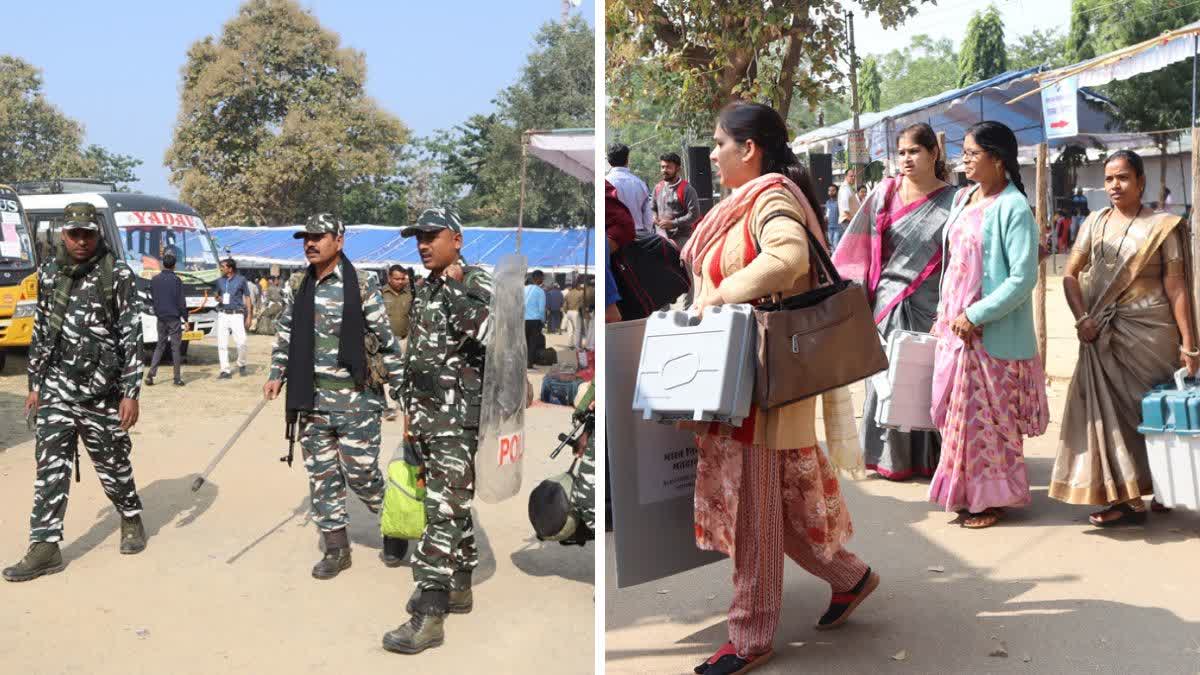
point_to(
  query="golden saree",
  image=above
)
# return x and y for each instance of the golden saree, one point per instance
(1101, 456)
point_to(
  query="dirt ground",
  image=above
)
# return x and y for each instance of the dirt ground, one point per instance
(1060, 595)
(224, 584)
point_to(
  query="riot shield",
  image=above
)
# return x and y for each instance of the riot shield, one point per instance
(502, 416)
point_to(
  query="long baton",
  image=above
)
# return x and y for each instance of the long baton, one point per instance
(228, 444)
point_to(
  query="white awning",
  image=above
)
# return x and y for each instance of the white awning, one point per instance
(572, 151)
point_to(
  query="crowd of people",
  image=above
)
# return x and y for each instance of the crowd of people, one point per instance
(959, 263)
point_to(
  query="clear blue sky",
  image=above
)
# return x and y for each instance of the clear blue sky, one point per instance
(114, 66)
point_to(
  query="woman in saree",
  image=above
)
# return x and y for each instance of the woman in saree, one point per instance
(766, 489)
(1127, 284)
(989, 388)
(894, 248)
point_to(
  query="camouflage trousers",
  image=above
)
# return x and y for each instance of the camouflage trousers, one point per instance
(448, 544)
(340, 449)
(583, 494)
(60, 426)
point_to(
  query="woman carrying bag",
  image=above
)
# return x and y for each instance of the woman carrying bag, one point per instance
(766, 489)
(894, 246)
(989, 389)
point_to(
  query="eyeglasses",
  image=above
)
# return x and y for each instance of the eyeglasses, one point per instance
(972, 155)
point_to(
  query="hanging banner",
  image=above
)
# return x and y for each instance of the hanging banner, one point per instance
(856, 147)
(1060, 108)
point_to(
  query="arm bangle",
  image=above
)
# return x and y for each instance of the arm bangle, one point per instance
(1084, 317)
(1195, 352)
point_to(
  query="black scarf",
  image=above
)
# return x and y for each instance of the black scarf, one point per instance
(69, 272)
(352, 355)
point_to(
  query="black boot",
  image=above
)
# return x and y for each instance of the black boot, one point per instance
(133, 535)
(337, 555)
(43, 557)
(393, 551)
(460, 598)
(424, 629)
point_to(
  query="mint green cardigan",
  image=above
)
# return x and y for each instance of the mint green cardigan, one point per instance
(1010, 269)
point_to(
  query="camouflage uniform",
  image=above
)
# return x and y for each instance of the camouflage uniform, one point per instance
(340, 438)
(272, 307)
(442, 392)
(81, 379)
(583, 492)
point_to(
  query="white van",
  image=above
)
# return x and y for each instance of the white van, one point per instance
(139, 229)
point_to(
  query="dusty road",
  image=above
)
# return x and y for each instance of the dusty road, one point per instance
(1063, 596)
(224, 584)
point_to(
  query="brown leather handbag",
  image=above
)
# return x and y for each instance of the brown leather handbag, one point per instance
(816, 341)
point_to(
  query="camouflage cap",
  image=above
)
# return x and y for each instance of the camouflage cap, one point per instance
(433, 220)
(80, 216)
(320, 224)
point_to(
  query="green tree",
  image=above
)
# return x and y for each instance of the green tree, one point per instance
(869, 86)
(1041, 47)
(98, 163)
(924, 68)
(481, 159)
(1103, 27)
(40, 142)
(274, 123)
(983, 53)
(702, 54)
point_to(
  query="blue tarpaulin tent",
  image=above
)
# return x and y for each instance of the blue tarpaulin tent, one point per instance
(376, 246)
(955, 110)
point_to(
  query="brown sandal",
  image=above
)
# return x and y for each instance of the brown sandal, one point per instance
(986, 518)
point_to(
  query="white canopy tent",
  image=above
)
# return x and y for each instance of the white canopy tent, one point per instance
(571, 150)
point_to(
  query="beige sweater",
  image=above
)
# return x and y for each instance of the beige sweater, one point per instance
(782, 266)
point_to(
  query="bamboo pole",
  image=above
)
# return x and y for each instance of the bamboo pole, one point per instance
(1039, 291)
(1195, 223)
(521, 203)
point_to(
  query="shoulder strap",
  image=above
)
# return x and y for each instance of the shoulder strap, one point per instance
(681, 191)
(658, 188)
(825, 270)
(107, 291)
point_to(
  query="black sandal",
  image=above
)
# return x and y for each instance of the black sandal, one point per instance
(727, 662)
(841, 605)
(1129, 516)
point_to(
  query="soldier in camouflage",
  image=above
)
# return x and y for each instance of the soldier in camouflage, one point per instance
(84, 379)
(335, 348)
(443, 383)
(583, 492)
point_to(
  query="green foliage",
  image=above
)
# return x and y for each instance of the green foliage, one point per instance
(690, 57)
(869, 86)
(274, 123)
(924, 68)
(482, 157)
(40, 142)
(1102, 28)
(983, 52)
(1041, 47)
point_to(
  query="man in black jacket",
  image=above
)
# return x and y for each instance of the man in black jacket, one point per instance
(171, 309)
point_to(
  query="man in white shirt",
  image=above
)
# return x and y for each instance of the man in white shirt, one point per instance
(848, 202)
(631, 190)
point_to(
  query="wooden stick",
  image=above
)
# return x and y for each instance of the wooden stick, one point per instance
(1039, 291)
(1195, 225)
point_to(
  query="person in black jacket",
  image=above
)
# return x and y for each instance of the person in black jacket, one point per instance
(166, 290)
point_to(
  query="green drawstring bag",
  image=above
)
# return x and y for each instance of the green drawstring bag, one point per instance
(403, 515)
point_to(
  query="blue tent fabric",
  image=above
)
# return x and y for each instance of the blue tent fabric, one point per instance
(955, 110)
(375, 246)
